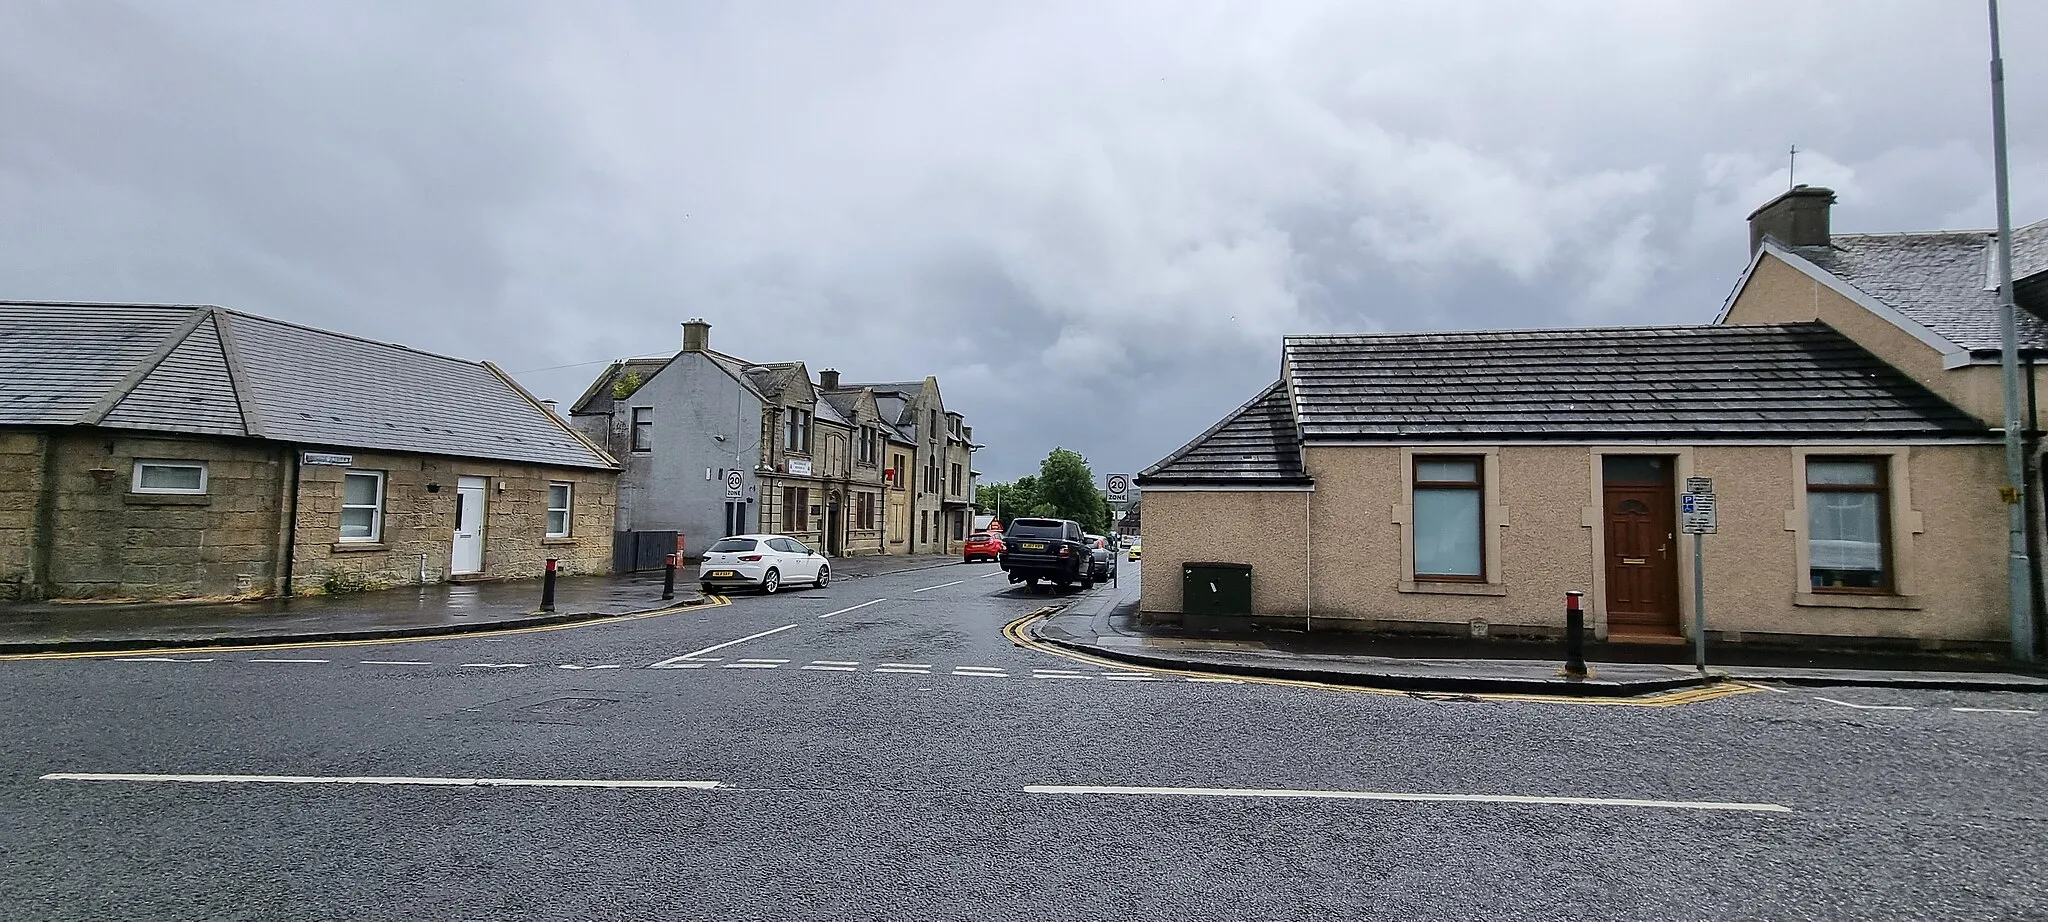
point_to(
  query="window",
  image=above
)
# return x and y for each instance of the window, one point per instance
(870, 444)
(1847, 525)
(643, 428)
(1449, 518)
(959, 526)
(864, 513)
(169, 477)
(796, 502)
(796, 431)
(924, 527)
(558, 509)
(932, 431)
(956, 481)
(898, 471)
(362, 506)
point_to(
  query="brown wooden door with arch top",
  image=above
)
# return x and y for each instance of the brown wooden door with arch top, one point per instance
(1641, 522)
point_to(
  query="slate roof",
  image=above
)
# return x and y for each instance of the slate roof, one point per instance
(1695, 383)
(1255, 445)
(1944, 280)
(844, 402)
(210, 371)
(598, 397)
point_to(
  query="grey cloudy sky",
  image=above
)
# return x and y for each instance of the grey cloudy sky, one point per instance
(1030, 200)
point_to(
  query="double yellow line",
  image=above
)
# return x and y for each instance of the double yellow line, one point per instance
(1018, 632)
(710, 601)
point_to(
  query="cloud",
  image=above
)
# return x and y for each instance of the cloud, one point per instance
(1051, 206)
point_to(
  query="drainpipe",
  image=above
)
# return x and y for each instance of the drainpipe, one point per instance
(291, 516)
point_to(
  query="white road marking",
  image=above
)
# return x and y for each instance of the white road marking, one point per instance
(815, 668)
(572, 666)
(940, 586)
(750, 666)
(1865, 707)
(845, 610)
(671, 661)
(777, 662)
(160, 659)
(1129, 678)
(1403, 796)
(684, 666)
(396, 662)
(386, 779)
(983, 674)
(494, 665)
(1207, 679)
(907, 665)
(287, 661)
(1996, 710)
(902, 671)
(836, 662)
(1054, 672)
(978, 668)
(1768, 688)
(991, 575)
(1059, 675)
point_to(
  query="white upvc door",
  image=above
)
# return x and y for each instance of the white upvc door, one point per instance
(470, 498)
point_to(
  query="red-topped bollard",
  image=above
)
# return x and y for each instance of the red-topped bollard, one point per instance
(1574, 636)
(668, 578)
(547, 586)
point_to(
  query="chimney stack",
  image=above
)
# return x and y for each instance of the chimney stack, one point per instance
(696, 336)
(1799, 218)
(828, 380)
(550, 404)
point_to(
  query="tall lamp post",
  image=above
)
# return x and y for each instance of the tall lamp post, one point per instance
(2018, 574)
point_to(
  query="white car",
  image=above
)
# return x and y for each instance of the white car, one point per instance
(768, 562)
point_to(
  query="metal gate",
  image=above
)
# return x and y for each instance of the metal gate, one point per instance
(633, 551)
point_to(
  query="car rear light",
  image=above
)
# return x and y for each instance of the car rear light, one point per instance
(750, 558)
(1066, 551)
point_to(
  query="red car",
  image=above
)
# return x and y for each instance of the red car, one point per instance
(982, 546)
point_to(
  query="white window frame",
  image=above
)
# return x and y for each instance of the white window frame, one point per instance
(135, 478)
(567, 509)
(377, 511)
(1906, 524)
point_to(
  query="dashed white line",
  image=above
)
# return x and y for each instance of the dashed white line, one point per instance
(396, 662)
(836, 662)
(750, 666)
(494, 665)
(982, 674)
(903, 671)
(817, 668)
(386, 779)
(907, 665)
(777, 662)
(1404, 796)
(1996, 710)
(693, 654)
(1864, 707)
(160, 659)
(1129, 678)
(991, 575)
(574, 666)
(940, 586)
(287, 661)
(852, 608)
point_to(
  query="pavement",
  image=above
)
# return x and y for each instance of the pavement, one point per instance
(882, 749)
(446, 608)
(1106, 625)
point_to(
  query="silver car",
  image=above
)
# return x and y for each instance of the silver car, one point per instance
(1103, 552)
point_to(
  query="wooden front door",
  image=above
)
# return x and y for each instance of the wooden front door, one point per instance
(1642, 545)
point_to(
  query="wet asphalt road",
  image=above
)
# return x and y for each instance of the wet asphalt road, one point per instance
(888, 781)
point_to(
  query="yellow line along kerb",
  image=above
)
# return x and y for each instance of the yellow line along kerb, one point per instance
(1017, 633)
(711, 601)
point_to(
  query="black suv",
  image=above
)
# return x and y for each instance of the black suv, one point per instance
(1054, 550)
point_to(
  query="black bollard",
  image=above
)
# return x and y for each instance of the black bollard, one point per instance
(1574, 637)
(668, 578)
(547, 587)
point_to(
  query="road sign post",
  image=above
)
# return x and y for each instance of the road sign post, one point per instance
(1117, 489)
(1698, 511)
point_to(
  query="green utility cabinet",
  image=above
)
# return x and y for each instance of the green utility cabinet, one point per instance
(1215, 595)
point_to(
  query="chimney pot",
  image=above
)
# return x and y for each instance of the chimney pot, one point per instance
(696, 336)
(1798, 218)
(828, 379)
(550, 404)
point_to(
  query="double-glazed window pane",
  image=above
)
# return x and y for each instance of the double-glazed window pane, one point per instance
(643, 428)
(558, 510)
(170, 477)
(362, 495)
(1449, 520)
(1845, 524)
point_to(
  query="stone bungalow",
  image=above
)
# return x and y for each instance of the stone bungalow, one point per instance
(160, 451)
(1843, 408)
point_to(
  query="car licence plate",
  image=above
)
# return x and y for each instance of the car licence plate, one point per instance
(1033, 547)
(723, 573)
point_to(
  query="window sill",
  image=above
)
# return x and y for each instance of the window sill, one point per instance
(1856, 600)
(1437, 587)
(357, 547)
(167, 499)
(557, 540)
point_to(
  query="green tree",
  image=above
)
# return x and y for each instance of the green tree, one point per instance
(1066, 489)
(1007, 501)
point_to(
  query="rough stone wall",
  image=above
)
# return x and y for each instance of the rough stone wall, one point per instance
(21, 484)
(417, 521)
(112, 543)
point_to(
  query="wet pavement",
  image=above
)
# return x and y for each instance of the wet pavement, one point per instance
(1107, 625)
(409, 611)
